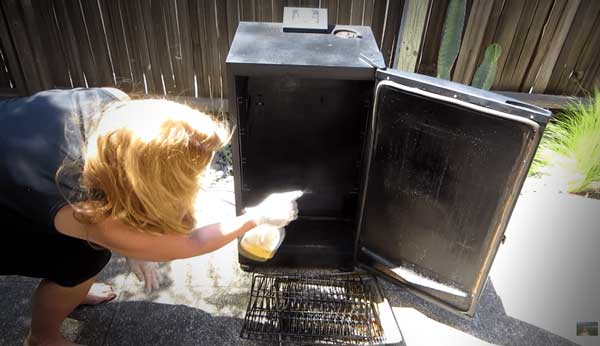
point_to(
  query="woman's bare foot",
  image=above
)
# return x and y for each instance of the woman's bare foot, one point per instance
(58, 341)
(99, 293)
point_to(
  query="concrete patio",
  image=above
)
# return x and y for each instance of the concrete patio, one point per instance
(544, 280)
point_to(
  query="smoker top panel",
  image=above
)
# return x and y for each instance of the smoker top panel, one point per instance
(267, 44)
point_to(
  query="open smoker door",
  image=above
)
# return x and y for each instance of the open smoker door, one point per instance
(445, 164)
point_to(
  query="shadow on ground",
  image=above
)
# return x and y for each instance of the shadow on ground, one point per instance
(148, 323)
(179, 314)
(490, 323)
(176, 314)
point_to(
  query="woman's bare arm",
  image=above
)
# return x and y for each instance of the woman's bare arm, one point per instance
(129, 242)
(278, 209)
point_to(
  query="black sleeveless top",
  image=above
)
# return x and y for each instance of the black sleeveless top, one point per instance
(38, 134)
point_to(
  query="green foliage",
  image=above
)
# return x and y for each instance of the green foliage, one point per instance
(223, 160)
(571, 145)
(486, 72)
(452, 36)
(450, 46)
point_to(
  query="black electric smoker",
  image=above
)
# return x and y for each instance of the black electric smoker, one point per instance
(410, 178)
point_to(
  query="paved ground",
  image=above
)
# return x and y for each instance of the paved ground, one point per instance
(545, 279)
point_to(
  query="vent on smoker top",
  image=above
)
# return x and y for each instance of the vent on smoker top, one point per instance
(333, 309)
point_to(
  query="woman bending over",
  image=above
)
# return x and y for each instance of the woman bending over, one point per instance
(85, 172)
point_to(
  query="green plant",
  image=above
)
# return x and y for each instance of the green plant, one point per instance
(451, 37)
(571, 147)
(486, 72)
(450, 46)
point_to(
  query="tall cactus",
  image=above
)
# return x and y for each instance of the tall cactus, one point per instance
(486, 72)
(451, 38)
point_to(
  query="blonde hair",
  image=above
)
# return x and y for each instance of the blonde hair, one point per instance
(145, 158)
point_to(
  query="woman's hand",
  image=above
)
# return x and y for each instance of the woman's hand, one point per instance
(147, 272)
(277, 210)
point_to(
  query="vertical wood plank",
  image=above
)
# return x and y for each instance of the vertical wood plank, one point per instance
(172, 21)
(98, 43)
(133, 34)
(591, 78)
(52, 45)
(205, 48)
(206, 78)
(410, 39)
(331, 6)
(213, 52)
(507, 27)
(187, 61)
(117, 43)
(549, 30)
(596, 82)
(343, 11)
(278, 11)
(585, 63)
(356, 12)
(65, 28)
(200, 86)
(150, 55)
(33, 34)
(264, 11)
(492, 28)
(232, 19)
(5, 80)
(109, 37)
(533, 36)
(175, 47)
(379, 19)
(223, 44)
(390, 31)
(10, 56)
(576, 38)
(368, 12)
(247, 10)
(591, 64)
(539, 78)
(471, 47)
(309, 3)
(24, 51)
(432, 38)
(516, 48)
(83, 44)
(163, 40)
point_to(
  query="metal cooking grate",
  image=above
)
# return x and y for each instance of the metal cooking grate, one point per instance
(315, 309)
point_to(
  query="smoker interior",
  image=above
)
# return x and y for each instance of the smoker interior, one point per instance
(441, 180)
(305, 134)
(313, 310)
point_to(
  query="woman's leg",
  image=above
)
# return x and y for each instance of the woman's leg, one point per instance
(69, 267)
(51, 304)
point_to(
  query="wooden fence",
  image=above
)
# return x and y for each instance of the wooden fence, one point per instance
(548, 46)
(178, 47)
(173, 47)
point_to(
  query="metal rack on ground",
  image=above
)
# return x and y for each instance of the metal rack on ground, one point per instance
(333, 309)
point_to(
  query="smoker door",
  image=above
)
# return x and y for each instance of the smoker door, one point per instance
(444, 166)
